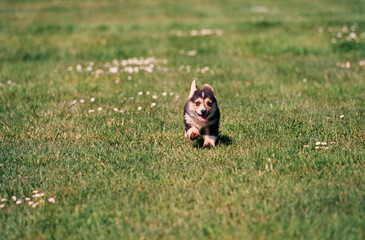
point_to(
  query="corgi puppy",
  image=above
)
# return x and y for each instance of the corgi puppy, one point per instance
(201, 115)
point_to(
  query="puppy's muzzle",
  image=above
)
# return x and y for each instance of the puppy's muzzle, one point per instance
(204, 112)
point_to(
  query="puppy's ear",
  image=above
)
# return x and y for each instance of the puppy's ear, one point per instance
(193, 89)
(208, 87)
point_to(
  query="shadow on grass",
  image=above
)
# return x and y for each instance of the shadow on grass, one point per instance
(222, 140)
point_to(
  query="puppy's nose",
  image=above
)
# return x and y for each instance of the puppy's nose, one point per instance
(204, 112)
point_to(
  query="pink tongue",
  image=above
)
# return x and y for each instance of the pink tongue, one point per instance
(203, 118)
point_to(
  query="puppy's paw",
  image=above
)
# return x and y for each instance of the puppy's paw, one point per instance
(209, 141)
(194, 135)
(208, 145)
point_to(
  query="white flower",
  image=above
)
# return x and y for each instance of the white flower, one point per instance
(92, 99)
(129, 78)
(30, 203)
(306, 146)
(98, 72)
(34, 205)
(192, 53)
(73, 102)
(140, 93)
(3, 200)
(362, 63)
(13, 198)
(35, 191)
(164, 94)
(177, 97)
(171, 93)
(37, 195)
(91, 110)
(52, 200)
(113, 69)
(89, 68)
(2, 205)
(139, 108)
(323, 143)
(79, 67)
(19, 202)
(115, 61)
(342, 116)
(318, 143)
(304, 80)
(82, 100)
(115, 109)
(100, 108)
(194, 32)
(205, 69)
(27, 199)
(316, 147)
(153, 104)
(154, 96)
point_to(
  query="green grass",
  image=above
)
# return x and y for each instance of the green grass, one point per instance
(132, 175)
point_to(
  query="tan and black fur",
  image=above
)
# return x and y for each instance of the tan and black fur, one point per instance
(201, 115)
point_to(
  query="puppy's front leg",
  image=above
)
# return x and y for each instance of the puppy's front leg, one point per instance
(209, 140)
(192, 133)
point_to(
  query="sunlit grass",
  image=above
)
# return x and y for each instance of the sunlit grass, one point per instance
(91, 124)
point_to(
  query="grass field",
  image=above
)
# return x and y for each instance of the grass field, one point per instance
(91, 102)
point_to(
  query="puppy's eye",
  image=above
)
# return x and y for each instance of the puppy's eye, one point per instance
(197, 103)
(209, 104)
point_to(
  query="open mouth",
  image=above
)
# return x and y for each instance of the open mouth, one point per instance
(203, 118)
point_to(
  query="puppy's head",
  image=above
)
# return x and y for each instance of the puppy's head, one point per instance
(202, 101)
